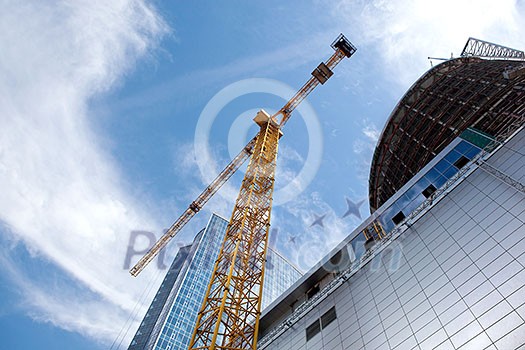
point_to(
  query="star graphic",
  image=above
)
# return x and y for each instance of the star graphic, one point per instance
(353, 208)
(318, 220)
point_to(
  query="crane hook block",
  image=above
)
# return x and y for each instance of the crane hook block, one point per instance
(343, 44)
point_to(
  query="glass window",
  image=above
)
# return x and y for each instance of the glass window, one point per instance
(418, 187)
(450, 172)
(313, 329)
(398, 217)
(414, 204)
(401, 202)
(442, 166)
(384, 219)
(461, 162)
(427, 192)
(422, 184)
(432, 175)
(452, 156)
(328, 317)
(412, 192)
(463, 147)
(471, 153)
(440, 181)
(358, 243)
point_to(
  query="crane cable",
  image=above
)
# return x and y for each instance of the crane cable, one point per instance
(134, 312)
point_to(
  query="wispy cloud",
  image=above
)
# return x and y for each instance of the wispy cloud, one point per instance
(405, 33)
(61, 305)
(366, 141)
(371, 132)
(266, 63)
(62, 194)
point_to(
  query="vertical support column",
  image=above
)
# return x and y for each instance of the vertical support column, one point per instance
(229, 316)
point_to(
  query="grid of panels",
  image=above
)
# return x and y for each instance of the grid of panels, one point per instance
(149, 327)
(278, 276)
(177, 330)
(454, 280)
(434, 178)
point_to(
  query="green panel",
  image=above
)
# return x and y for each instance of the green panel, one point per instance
(477, 137)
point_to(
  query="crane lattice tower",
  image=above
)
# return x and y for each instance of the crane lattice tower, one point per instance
(229, 316)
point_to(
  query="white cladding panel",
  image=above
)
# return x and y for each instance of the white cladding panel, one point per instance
(455, 279)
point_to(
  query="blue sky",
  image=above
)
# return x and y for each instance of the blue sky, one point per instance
(101, 104)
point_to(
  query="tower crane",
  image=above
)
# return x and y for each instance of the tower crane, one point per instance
(229, 316)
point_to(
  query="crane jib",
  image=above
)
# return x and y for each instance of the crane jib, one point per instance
(343, 48)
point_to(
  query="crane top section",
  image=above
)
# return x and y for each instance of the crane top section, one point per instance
(343, 48)
(343, 44)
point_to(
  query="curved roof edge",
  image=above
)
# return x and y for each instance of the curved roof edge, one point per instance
(423, 83)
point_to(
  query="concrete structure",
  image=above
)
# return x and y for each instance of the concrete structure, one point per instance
(171, 317)
(488, 95)
(449, 273)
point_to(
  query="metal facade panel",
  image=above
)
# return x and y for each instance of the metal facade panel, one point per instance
(459, 282)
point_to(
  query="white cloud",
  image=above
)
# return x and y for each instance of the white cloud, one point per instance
(371, 132)
(405, 33)
(289, 163)
(364, 145)
(62, 307)
(61, 193)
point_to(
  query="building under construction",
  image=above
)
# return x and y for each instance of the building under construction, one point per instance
(469, 91)
(440, 263)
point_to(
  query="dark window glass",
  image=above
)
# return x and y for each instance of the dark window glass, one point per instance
(313, 329)
(313, 291)
(427, 192)
(328, 317)
(398, 217)
(461, 162)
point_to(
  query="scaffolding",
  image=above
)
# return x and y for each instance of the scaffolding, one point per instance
(457, 94)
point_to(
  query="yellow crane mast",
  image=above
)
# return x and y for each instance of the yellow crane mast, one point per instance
(229, 316)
